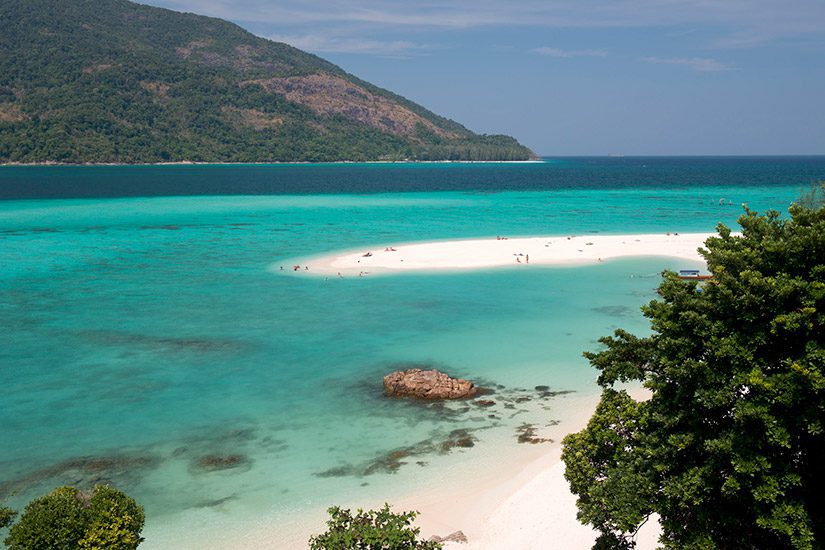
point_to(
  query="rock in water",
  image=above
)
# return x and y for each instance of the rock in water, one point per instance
(427, 384)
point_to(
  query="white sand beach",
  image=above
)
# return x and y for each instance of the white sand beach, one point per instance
(530, 508)
(499, 251)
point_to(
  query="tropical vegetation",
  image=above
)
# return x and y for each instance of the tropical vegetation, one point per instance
(102, 519)
(111, 81)
(370, 530)
(727, 451)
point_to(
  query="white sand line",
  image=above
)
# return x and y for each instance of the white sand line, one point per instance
(499, 252)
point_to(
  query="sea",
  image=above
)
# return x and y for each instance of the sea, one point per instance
(149, 340)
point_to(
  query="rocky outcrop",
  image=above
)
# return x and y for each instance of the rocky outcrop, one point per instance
(330, 95)
(458, 536)
(427, 384)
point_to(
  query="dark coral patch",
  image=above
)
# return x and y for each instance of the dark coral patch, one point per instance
(217, 463)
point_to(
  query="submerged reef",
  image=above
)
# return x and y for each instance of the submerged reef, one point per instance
(527, 433)
(391, 461)
(486, 409)
(84, 473)
(217, 462)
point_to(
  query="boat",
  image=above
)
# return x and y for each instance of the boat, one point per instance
(693, 275)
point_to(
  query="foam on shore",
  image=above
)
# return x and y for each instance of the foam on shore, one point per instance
(499, 252)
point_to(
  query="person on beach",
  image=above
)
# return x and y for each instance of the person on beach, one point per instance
(527, 258)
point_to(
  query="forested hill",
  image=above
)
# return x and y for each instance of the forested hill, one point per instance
(98, 81)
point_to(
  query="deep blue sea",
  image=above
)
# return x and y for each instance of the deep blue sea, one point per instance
(146, 340)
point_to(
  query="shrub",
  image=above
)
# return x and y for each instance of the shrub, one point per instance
(370, 530)
(68, 518)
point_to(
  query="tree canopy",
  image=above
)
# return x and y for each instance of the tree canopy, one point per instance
(728, 449)
(104, 519)
(370, 530)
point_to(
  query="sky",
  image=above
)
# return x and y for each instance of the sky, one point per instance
(578, 77)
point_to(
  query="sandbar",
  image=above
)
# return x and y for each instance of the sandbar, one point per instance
(498, 251)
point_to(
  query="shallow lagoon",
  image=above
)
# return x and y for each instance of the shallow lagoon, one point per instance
(154, 342)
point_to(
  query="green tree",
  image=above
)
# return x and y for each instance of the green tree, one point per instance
(728, 449)
(370, 530)
(6, 516)
(67, 518)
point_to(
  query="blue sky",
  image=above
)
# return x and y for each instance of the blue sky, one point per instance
(579, 77)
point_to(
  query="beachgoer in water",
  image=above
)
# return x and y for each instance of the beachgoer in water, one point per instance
(306, 268)
(282, 268)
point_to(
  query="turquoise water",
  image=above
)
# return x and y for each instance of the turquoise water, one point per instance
(151, 342)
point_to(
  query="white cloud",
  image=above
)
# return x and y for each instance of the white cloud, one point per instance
(342, 44)
(725, 23)
(751, 18)
(557, 52)
(702, 64)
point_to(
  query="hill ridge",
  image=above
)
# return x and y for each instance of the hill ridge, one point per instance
(111, 81)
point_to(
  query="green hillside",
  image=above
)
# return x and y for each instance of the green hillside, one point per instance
(96, 81)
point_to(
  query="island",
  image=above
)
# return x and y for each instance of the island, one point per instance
(114, 82)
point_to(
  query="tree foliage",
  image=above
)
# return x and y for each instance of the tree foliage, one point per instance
(370, 530)
(66, 518)
(728, 449)
(7, 516)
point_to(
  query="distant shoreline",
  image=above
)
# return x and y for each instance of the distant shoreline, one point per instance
(274, 163)
(540, 160)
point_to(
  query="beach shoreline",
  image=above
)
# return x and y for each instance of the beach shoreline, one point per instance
(522, 502)
(496, 252)
(529, 504)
